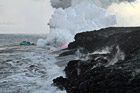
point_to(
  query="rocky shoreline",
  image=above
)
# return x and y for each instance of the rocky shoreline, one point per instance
(109, 62)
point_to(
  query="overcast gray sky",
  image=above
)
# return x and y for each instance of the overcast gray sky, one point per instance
(24, 16)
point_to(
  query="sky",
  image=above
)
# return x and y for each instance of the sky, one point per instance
(25, 16)
(128, 14)
(32, 16)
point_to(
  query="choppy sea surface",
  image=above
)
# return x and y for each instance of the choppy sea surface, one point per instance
(27, 69)
(15, 39)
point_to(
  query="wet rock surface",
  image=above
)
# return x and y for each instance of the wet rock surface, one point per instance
(114, 71)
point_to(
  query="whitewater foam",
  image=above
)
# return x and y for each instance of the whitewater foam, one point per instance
(29, 70)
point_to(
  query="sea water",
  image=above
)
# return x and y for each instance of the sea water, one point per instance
(15, 39)
(27, 69)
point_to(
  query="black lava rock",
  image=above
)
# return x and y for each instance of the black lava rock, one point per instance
(127, 38)
(104, 73)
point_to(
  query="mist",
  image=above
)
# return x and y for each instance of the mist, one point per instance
(68, 19)
(127, 14)
(25, 16)
(32, 16)
(127, 11)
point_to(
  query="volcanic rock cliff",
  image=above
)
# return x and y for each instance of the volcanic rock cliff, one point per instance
(109, 62)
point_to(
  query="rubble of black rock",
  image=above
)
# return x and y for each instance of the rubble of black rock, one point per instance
(116, 70)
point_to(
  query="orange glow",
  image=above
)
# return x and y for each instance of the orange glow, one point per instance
(63, 45)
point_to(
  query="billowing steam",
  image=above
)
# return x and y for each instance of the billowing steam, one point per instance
(79, 17)
(74, 16)
(69, 3)
(128, 14)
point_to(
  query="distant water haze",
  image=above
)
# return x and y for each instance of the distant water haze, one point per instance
(25, 16)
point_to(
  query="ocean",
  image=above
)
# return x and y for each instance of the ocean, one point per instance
(27, 69)
(15, 39)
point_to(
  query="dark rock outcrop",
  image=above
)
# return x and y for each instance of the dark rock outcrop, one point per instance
(117, 71)
(127, 38)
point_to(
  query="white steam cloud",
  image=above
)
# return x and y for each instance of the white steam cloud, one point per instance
(74, 16)
(80, 16)
(69, 3)
(128, 14)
